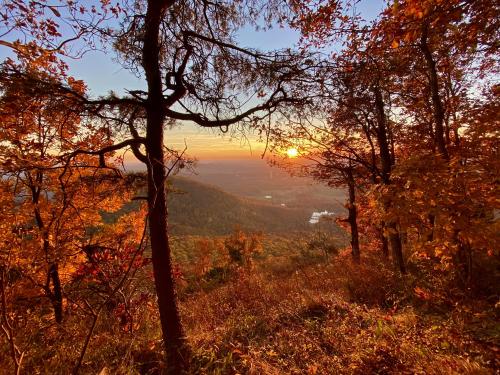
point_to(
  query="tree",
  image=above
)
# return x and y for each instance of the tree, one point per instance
(194, 71)
(56, 202)
(327, 154)
(411, 75)
(447, 57)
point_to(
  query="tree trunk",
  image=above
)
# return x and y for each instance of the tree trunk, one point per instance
(437, 105)
(383, 144)
(396, 246)
(386, 163)
(463, 259)
(352, 218)
(173, 335)
(430, 235)
(383, 241)
(56, 293)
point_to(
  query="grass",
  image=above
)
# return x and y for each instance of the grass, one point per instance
(292, 310)
(313, 322)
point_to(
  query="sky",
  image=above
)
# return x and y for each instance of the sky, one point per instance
(102, 73)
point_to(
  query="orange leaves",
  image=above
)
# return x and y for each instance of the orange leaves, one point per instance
(242, 247)
(422, 293)
(319, 22)
(312, 370)
(78, 86)
(58, 202)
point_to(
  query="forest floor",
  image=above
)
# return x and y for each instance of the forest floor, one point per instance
(298, 311)
(338, 317)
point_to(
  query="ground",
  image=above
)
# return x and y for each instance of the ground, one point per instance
(290, 309)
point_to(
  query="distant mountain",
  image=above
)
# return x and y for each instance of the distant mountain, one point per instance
(200, 209)
(256, 179)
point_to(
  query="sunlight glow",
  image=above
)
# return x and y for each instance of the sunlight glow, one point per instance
(292, 152)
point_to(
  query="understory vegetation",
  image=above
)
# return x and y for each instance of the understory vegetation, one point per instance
(261, 304)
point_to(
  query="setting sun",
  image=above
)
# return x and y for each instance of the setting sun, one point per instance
(292, 152)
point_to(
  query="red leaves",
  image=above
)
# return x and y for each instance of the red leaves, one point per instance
(422, 293)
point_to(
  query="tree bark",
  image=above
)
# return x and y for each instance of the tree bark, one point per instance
(173, 334)
(463, 258)
(352, 218)
(396, 246)
(382, 138)
(432, 219)
(56, 293)
(383, 240)
(387, 162)
(437, 105)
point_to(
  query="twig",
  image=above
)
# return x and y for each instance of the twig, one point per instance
(96, 313)
(16, 354)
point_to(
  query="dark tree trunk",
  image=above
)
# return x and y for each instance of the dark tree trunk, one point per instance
(384, 242)
(430, 235)
(387, 162)
(173, 335)
(381, 228)
(396, 246)
(463, 258)
(56, 293)
(382, 139)
(352, 218)
(437, 105)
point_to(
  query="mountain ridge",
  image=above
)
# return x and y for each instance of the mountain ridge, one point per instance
(204, 209)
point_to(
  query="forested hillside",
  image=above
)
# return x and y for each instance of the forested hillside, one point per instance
(199, 209)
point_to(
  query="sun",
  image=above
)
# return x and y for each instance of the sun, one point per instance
(292, 152)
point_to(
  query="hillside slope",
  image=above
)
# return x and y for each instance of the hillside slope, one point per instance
(196, 208)
(199, 209)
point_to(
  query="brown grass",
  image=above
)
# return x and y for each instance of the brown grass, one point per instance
(328, 319)
(291, 312)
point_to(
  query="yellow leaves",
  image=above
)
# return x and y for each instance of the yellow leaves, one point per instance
(271, 353)
(395, 44)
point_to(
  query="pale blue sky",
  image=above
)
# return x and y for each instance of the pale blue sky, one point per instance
(102, 73)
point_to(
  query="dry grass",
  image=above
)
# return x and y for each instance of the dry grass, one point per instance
(294, 313)
(328, 319)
